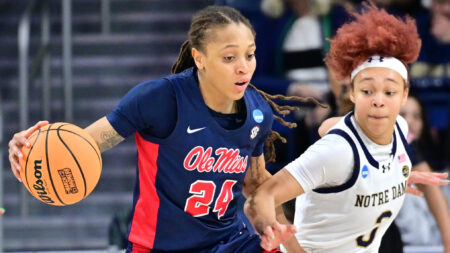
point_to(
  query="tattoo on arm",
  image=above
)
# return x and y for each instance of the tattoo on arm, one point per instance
(109, 139)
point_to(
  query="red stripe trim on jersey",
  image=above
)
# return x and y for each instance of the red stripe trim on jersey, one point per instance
(139, 249)
(143, 226)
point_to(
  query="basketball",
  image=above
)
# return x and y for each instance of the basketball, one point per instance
(62, 166)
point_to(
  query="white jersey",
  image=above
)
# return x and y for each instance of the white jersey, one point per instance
(354, 215)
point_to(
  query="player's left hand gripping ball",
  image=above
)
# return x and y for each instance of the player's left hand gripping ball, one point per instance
(62, 166)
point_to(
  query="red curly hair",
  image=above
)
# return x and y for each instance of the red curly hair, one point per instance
(373, 32)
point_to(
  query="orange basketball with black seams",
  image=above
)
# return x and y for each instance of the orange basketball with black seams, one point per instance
(62, 166)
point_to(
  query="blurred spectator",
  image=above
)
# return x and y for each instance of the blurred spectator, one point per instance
(430, 69)
(399, 7)
(419, 135)
(338, 99)
(440, 21)
(419, 226)
(430, 75)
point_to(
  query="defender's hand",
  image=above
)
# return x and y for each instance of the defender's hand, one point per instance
(276, 234)
(429, 178)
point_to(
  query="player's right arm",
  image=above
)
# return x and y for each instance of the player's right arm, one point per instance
(260, 208)
(313, 169)
(139, 110)
(101, 131)
(104, 134)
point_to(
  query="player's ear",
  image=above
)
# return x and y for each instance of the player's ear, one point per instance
(198, 58)
(352, 93)
(405, 95)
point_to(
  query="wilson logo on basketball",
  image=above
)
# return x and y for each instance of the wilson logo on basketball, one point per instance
(71, 164)
(228, 161)
(68, 181)
(39, 184)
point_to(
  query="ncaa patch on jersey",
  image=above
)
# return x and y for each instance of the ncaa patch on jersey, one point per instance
(254, 132)
(365, 172)
(405, 171)
(258, 116)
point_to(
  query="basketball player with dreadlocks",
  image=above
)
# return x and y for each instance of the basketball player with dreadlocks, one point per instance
(200, 135)
(350, 184)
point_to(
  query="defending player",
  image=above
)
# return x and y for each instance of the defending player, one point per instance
(200, 135)
(351, 183)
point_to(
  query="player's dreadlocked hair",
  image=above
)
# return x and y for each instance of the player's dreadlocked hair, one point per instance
(219, 16)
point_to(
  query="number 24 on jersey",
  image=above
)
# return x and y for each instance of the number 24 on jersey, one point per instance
(199, 203)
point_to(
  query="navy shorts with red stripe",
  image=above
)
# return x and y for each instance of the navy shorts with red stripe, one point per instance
(243, 242)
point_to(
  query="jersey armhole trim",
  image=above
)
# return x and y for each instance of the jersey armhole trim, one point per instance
(405, 143)
(351, 181)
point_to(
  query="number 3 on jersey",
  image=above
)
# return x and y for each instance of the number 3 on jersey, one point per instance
(203, 193)
(364, 243)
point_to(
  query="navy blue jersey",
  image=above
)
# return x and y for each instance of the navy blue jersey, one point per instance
(188, 183)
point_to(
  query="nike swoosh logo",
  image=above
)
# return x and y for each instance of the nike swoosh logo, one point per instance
(191, 131)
